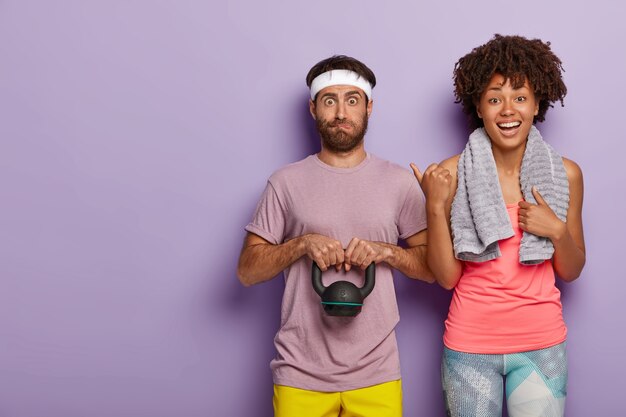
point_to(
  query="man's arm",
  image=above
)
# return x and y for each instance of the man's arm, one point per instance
(411, 261)
(261, 260)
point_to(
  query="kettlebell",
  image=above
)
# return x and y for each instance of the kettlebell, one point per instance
(343, 298)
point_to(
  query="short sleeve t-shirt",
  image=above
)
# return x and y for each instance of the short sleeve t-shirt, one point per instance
(377, 201)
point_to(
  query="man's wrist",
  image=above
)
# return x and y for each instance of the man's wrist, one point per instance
(391, 253)
(299, 245)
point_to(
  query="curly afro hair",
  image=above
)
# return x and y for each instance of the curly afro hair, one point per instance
(517, 59)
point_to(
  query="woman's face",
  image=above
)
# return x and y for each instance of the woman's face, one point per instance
(507, 112)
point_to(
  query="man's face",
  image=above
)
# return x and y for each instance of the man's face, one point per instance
(341, 113)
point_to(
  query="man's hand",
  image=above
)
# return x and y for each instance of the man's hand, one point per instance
(363, 252)
(324, 251)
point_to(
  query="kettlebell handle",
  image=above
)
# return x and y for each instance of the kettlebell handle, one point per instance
(366, 289)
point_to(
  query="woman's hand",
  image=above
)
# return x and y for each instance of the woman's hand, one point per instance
(436, 183)
(539, 219)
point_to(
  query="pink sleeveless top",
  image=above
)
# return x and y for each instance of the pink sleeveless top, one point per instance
(501, 306)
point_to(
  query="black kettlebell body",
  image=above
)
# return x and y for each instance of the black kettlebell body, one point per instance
(343, 298)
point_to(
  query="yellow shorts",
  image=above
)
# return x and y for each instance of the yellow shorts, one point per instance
(383, 400)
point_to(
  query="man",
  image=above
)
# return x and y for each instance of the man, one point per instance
(342, 208)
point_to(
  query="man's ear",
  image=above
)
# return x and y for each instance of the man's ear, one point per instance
(312, 109)
(370, 106)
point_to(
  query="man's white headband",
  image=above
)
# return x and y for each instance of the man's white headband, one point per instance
(340, 77)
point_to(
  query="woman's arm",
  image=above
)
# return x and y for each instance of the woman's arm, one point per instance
(567, 237)
(439, 185)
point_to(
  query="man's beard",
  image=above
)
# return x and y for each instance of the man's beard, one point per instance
(340, 140)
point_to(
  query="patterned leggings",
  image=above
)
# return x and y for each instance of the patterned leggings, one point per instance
(536, 383)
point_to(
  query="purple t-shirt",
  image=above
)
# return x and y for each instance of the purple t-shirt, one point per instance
(377, 201)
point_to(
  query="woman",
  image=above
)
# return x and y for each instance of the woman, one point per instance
(503, 217)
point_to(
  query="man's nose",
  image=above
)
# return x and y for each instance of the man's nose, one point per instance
(340, 111)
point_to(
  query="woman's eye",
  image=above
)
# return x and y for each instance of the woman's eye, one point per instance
(493, 100)
(521, 99)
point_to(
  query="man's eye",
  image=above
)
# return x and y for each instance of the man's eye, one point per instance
(329, 101)
(352, 101)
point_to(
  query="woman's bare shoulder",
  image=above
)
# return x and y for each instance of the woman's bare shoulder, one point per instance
(572, 169)
(451, 163)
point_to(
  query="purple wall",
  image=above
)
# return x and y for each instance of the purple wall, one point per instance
(137, 136)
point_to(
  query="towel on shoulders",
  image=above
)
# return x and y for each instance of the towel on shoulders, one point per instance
(479, 218)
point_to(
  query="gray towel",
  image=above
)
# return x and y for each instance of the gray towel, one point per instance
(479, 217)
